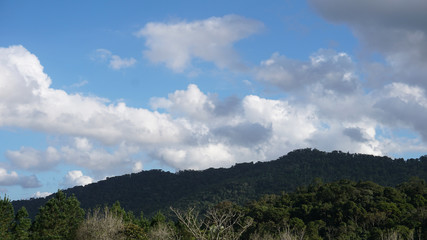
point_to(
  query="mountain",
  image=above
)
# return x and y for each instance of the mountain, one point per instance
(156, 190)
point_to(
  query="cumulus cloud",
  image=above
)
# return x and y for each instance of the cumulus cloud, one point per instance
(259, 129)
(115, 61)
(76, 178)
(395, 29)
(32, 159)
(352, 137)
(352, 98)
(355, 133)
(191, 103)
(41, 194)
(176, 44)
(243, 134)
(405, 106)
(137, 167)
(28, 101)
(100, 160)
(13, 179)
(193, 129)
(328, 69)
(197, 156)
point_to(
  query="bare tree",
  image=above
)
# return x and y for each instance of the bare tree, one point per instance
(101, 226)
(162, 231)
(220, 223)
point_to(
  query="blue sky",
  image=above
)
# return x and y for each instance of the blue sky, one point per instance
(96, 89)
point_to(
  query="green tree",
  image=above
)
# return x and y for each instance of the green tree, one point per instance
(59, 218)
(133, 231)
(6, 218)
(22, 225)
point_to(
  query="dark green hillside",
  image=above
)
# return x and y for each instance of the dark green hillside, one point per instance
(344, 210)
(150, 191)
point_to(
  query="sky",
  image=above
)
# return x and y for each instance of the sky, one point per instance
(93, 89)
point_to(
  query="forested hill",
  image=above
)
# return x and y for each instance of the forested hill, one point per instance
(154, 190)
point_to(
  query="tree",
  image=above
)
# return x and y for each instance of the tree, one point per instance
(59, 218)
(105, 225)
(6, 218)
(22, 225)
(221, 222)
(162, 231)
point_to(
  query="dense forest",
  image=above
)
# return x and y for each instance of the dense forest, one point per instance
(338, 210)
(156, 190)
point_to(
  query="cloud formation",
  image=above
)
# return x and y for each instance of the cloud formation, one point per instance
(13, 179)
(31, 159)
(41, 194)
(197, 130)
(76, 178)
(114, 61)
(396, 29)
(101, 160)
(27, 101)
(328, 69)
(177, 43)
(404, 105)
(256, 129)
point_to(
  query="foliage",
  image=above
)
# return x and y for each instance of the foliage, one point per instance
(59, 218)
(307, 194)
(6, 219)
(338, 210)
(154, 190)
(345, 210)
(21, 225)
(13, 226)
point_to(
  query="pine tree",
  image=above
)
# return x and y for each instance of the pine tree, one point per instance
(22, 225)
(6, 218)
(59, 218)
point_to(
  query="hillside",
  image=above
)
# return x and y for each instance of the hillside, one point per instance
(154, 190)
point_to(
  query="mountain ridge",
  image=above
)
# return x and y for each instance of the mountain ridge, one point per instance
(157, 190)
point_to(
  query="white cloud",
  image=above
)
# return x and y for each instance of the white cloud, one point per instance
(13, 179)
(100, 160)
(256, 129)
(79, 84)
(76, 178)
(330, 70)
(402, 105)
(328, 121)
(26, 100)
(197, 157)
(32, 159)
(115, 61)
(101, 55)
(177, 43)
(41, 194)
(191, 102)
(197, 130)
(396, 29)
(137, 167)
(357, 137)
